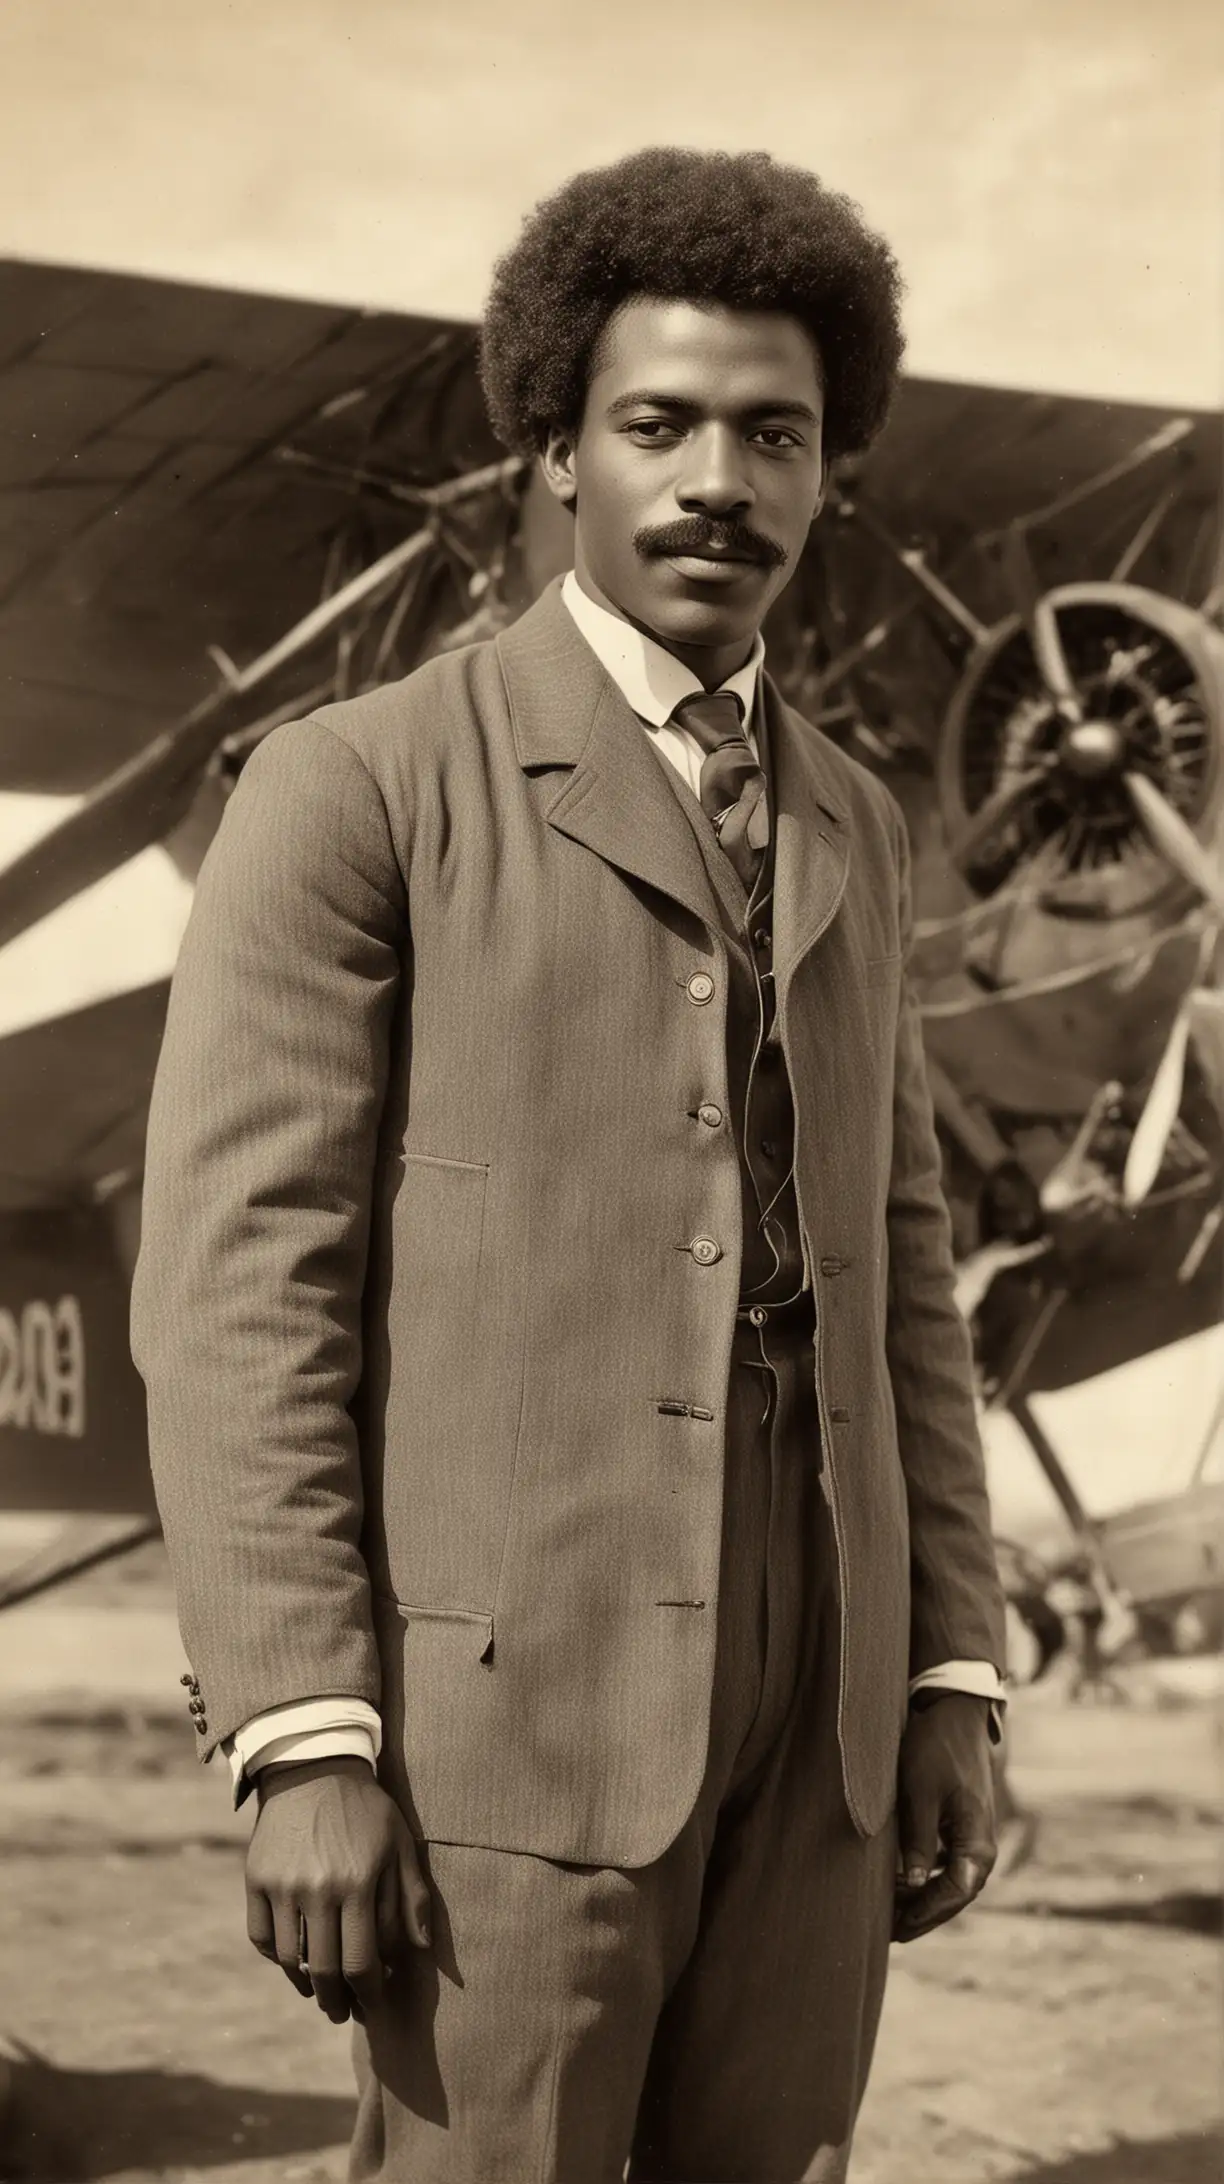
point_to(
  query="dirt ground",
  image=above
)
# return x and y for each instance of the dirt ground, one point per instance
(1067, 2031)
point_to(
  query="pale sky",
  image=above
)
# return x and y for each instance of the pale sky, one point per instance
(1051, 172)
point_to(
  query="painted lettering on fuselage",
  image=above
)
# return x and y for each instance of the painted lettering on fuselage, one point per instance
(42, 1367)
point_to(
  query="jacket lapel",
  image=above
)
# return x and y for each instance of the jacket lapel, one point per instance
(724, 881)
(811, 835)
(566, 712)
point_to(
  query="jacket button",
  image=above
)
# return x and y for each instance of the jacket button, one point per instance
(700, 988)
(201, 1727)
(188, 1681)
(832, 1266)
(709, 1114)
(196, 1706)
(705, 1250)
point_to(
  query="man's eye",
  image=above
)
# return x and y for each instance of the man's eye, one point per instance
(652, 429)
(778, 436)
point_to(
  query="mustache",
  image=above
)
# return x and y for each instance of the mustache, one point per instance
(700, 534)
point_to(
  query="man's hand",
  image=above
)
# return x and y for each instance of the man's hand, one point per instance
(334, 1889)
(945, 1811)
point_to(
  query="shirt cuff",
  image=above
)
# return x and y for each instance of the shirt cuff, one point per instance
(329, 1728)
(980, 1679)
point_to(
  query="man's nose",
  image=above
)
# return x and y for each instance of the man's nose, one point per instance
(715, 478)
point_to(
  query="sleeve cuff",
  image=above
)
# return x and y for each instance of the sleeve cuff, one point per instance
(980, 1679)
(327, 1728)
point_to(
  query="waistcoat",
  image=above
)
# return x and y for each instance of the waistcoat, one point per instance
(762, 1108)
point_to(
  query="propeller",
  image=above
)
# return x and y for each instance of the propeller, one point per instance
(1199, 1022)
(1206, 1006)
(1160, 1111)
(976, 1274)
(1076, 1177)
(1036, 610)
(996, 811)
(1104, 754)
(1177, 843)
(1041, 621)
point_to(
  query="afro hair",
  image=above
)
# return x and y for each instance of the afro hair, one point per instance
(738, 229)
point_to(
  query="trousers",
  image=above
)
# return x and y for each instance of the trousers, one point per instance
(707, 2018)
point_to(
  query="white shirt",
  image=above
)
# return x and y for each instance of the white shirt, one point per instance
(654, 682)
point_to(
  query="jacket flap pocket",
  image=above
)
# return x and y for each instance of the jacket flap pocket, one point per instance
(473, 1626)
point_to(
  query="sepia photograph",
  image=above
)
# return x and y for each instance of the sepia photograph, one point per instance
(611, 1092)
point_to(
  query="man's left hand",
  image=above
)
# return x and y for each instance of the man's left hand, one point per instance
(945, 1812)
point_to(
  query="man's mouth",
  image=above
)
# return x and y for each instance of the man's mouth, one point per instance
(710, 555)
(711, 563)
(713, 553)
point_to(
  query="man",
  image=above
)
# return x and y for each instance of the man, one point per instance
(556, 1391)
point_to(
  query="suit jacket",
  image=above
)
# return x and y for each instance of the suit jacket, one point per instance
(423, 1179)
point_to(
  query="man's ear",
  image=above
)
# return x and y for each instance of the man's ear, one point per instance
(557, 464)
(825, 473)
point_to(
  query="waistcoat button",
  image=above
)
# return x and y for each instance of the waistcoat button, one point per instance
(701, 988)
(705, 1250)
(760, 938)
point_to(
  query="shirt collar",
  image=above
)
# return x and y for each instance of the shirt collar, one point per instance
(651, 679)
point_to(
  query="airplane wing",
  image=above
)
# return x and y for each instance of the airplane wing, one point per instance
(214, 524)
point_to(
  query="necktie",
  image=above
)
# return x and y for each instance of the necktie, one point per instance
(732, 785)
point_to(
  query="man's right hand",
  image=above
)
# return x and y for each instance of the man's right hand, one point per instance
(334, 1887)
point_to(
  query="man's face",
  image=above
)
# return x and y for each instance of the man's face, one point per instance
(695, 473)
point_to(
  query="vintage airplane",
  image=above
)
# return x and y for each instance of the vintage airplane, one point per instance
(228, 509)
